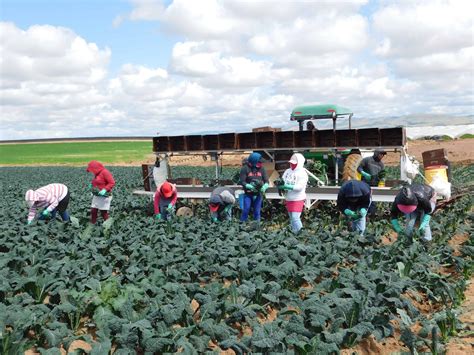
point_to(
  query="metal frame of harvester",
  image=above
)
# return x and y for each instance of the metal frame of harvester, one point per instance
(273, 143)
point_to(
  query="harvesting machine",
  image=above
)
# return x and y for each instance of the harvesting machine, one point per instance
(339, 150)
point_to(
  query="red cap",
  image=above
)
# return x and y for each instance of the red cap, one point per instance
(406, 208)
(213, 207)
(166, 189)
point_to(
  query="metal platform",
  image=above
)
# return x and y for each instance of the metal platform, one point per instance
(313, 194)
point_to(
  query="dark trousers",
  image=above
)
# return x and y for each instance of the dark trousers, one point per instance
(61, 208)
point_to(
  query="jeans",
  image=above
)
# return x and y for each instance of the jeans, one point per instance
(295, 221)
(358, 225)
(64, 215)
(254, 202)
(411, 220)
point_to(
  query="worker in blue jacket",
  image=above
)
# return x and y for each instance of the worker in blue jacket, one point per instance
(254, 180)
(353, 200)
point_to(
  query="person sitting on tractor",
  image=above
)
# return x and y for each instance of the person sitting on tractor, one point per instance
(416, 202)
(254, 179)
(165, 199)
(53, 198)
(353, 200)
(220, 204)
(295, 180)
(370, 167)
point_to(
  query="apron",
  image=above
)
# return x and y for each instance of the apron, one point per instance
(101, 203)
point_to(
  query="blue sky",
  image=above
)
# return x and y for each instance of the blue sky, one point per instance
(95, 68)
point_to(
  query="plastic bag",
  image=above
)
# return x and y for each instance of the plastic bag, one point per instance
(442, 188)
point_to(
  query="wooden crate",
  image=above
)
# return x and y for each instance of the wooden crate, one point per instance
(161, 144)
(265, 140)
(210, 142)
(368, 137)
(246, 141)
(194, 143)
(304, 139)
(227, 141)
(177, 144)
(284, 139)
(392, 136)
(326, 138)
(346, 138)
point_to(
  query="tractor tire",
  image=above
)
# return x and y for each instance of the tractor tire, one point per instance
(350, 167)
(184, 212)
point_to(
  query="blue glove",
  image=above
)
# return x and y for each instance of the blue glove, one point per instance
(366, 175)
(288, 187)
(250, 187)
(363, 212)
(424, 222)
(349, 213)
(396, 225)
(46, 213)
(264, 188)
(102, 192)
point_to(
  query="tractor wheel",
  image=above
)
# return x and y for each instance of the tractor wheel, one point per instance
(350, 167)
(184, 212)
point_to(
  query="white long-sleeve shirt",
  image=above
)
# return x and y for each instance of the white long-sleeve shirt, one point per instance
(47, 196)
(298, 178)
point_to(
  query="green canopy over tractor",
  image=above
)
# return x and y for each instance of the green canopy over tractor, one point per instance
(319, 112)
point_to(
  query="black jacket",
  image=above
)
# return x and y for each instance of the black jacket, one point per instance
(420, 195)
(373, 167)
(249, 174)
(353, 189)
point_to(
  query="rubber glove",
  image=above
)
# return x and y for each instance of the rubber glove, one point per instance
(264, 188)
(170, 208)
(214, 219)
(288, 187)
(158, 216)
(102, 192)
(90, 186)
(424, 222)
(227, 208)
(349, 213)
(250, 187)
(366, 175)
(29, 222)
(363, 212)
(46, 213)
(396, 225)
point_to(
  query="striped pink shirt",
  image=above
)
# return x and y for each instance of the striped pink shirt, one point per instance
(47, 196)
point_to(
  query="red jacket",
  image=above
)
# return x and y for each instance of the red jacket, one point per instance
(159, 196)
(103, 178)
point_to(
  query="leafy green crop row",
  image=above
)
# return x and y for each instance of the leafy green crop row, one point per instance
(138, 286)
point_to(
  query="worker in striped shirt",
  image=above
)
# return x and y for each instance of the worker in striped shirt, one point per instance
(53, 198)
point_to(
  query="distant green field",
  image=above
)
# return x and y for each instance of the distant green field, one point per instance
(74, 152)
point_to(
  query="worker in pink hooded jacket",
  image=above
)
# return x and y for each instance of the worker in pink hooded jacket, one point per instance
(102, 185)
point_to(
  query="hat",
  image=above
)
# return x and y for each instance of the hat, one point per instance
(406, 208)
(293, 160)
(30, 197)
(166, 189)
(214, 207)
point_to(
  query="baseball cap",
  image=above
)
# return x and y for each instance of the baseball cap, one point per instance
(166, 189)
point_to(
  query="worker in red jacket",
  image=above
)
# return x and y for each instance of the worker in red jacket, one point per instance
(102, 185)
(166, 196)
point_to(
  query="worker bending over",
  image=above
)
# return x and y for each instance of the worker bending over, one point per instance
(254, 179)
(353, 200)
(102, 185)
(165, 199)
(295, 181)
(416, 202)
(53, 198)
(220, 204)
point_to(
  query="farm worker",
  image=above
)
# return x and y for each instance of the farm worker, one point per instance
(220, 204)
(254, 179)
(102, 185)
(416, 202)
(53, 198)
(295, 181)
(165, 199)
(353, 200)
(371, 167)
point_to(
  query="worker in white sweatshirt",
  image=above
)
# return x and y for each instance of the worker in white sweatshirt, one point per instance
(295, 180)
